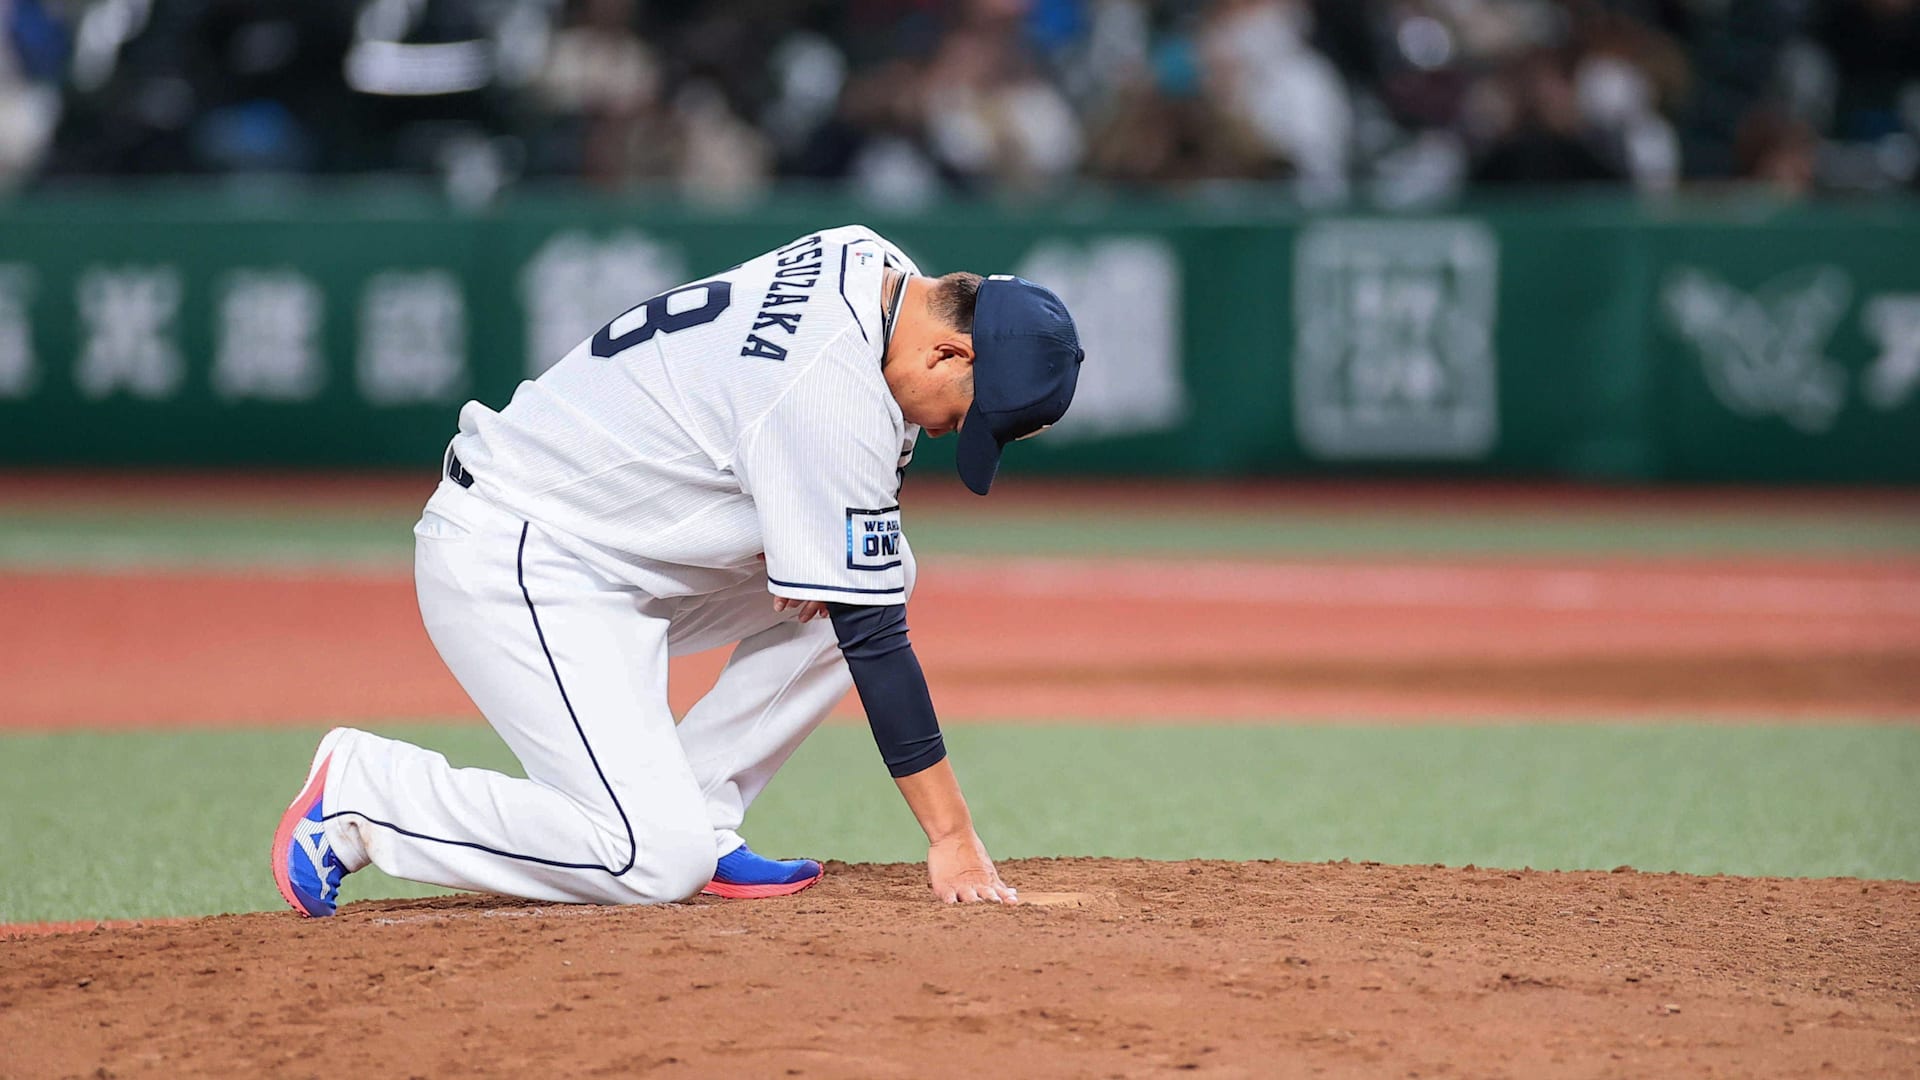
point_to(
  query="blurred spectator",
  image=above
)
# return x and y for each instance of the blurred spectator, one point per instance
(33, 55)
(1876, 45)
(989, 115)
(1539, 137)
(722, 157)
(1776, 150)
(905, 101)
(600, 88)
(1286, 102)
(1626, 77)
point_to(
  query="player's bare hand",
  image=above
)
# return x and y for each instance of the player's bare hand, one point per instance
(809, 609)
(960, 872)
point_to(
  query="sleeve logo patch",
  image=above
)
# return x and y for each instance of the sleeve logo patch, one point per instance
(873, 538)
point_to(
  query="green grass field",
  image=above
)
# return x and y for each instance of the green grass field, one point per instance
(82, 536)
(136, 825)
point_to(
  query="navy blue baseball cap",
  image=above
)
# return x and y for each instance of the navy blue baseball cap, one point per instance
(1026, 361)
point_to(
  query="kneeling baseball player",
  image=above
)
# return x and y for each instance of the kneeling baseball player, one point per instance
(719, 465)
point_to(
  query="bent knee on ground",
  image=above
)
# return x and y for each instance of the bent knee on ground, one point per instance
(672, 863)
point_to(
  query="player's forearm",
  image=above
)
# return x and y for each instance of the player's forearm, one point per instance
(894, 691)
(892, 687)
(933, 794)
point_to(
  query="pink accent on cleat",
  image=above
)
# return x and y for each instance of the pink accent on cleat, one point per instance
(283, 836)
(312, 844)
(731, 891)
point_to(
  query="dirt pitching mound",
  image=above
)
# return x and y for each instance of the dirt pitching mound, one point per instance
(1131, 968)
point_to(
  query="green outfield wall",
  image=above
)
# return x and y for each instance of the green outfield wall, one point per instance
(1616, 341)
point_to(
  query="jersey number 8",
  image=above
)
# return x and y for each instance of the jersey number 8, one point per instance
(659, 320)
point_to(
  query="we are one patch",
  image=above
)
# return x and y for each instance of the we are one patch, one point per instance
(873, 538)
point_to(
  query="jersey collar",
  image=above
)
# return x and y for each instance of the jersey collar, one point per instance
(891, 312)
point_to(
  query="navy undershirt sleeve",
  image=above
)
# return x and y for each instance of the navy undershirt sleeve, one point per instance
(892, 687)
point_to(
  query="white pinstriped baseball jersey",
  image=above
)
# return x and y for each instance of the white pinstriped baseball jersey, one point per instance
(741, 415)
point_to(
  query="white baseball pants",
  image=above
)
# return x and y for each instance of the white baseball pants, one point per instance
(619, 805)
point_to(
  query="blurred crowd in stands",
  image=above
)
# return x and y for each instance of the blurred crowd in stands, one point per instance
(1395, 102)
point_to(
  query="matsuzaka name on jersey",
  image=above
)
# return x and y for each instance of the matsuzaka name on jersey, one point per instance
(799, 271)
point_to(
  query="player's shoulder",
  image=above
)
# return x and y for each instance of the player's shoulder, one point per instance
(836, 274)
(849, 234)
(841, 386)
(852, 365)
(856, 235)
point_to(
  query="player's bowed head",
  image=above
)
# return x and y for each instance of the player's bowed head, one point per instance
(996, 359)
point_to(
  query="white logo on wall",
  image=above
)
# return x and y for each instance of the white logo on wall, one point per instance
(127, 315)
(17, 367)
(1393, 348)
(1124, 294)
(413, 338)
(1892, 320)
(575, 283)
(267, 340)
(1764, 353)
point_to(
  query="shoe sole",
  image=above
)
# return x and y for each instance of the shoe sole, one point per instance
(732, 891)
(310, 793)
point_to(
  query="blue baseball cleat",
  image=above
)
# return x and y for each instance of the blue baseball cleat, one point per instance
(304, 864)
(742, 875)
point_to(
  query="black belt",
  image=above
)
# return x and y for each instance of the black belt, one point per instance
(458, 473)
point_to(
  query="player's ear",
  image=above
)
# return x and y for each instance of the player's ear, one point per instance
(955, 349)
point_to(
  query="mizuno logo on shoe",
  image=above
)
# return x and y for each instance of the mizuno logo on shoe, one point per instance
(310, 840)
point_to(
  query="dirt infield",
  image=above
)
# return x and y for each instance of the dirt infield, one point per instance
(1122, 640)
(1221, 969)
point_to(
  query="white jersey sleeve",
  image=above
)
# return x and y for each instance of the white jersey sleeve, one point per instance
(823, 469)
